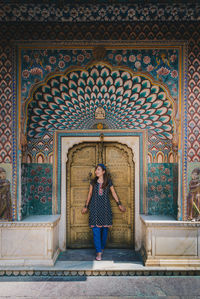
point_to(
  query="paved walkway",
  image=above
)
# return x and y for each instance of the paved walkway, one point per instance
(100, 287)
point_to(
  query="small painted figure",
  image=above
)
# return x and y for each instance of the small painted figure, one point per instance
(100, 113)
(5, 196)
(98, 202)
(194, 196)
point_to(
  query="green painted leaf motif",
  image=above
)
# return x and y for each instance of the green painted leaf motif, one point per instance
(154, 117)
(157, 104)
(90, 82)
(103, 89)
(72, 84)
(145, 93)
(155, 89)
(161, 111)
(99, 82)
(126, 76)
(81, 83)
(146, 106)
(48, 97)
(55, 92)
(141, 101)
(58, 100)
(53, 121)
(164, 118)
(115, 74)
(46, 89)
(104, 73)
(148, 122)
(84, 75)
(59, 112)
(38, 96)
(119, 91)
(167, 127)
(162, 96)
(134, 97)
(42, 104)
(38, 111)
(111, 90)
(35, 118)
(95, 89)
(53, 106)
(73, 93)
(63, 81)
(150, 111)
(146, 84)
(151, 98)
(136, 88)
(118, 82)
(136, 79)
(65, 96)
(74, 76)
(167, 135)
(54, 83)
(94, 74)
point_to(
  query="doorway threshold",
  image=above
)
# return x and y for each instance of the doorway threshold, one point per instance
(115, 255)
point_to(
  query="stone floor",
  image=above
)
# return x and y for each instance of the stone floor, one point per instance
(115, 255)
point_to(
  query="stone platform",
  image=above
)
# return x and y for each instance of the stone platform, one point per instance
(115, 262)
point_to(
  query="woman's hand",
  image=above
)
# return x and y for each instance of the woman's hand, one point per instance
(84, 210)
(122, 208)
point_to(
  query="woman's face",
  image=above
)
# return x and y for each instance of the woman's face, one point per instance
(99, 171)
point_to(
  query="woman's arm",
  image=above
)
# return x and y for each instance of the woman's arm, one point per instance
(84, 210)
(121, 207)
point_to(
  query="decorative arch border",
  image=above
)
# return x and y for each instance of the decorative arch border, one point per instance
(85, 68)
(65, 140)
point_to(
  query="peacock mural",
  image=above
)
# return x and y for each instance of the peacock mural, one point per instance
(130, 101)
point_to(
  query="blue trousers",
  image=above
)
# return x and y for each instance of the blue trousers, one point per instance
(100, 237)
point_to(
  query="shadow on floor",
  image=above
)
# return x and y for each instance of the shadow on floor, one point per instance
(115, 255)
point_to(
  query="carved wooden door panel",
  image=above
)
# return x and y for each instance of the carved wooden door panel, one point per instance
(119, 161)
(81, 162)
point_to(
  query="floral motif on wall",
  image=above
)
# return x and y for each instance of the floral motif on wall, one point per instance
(91, 12)
(36, 189)
(162, 189)
(162, 65)
(36, 64)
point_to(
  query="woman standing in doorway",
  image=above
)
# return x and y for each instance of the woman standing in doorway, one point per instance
(100, 218)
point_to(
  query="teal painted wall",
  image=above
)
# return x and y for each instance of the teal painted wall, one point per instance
(162, 188)
(36, 189)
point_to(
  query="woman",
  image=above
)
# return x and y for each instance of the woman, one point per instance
(100, 218)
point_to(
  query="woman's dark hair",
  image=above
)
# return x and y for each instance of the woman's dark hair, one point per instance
(106, 177)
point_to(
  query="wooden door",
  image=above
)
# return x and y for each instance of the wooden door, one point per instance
(82, 160)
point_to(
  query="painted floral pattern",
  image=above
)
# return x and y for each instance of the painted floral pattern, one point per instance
(36, 189)
(162, 189)
(162, 65)
(99, 12)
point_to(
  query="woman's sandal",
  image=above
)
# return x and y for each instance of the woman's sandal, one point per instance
(98, 258)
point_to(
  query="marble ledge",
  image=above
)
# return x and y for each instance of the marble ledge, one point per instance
(164, 221)
(98, 266)
(33, 221)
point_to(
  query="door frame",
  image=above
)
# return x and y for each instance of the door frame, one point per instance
(70, 164)
(136, 140)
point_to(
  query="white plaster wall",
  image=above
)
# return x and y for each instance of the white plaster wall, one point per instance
(66, 144)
